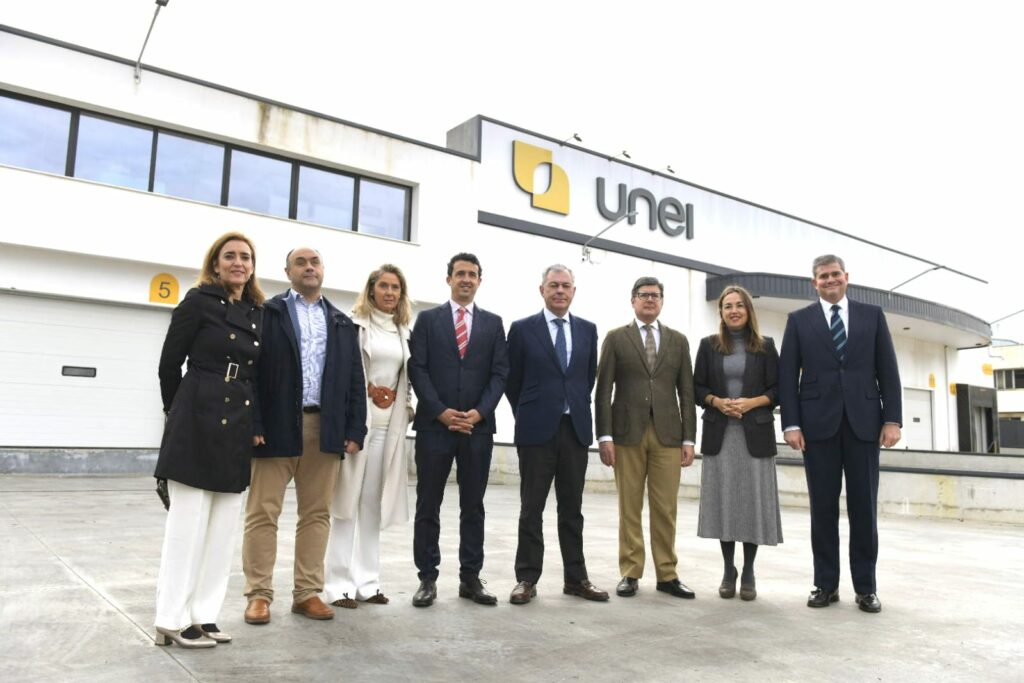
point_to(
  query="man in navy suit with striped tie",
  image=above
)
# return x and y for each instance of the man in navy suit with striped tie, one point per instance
(841, 398)
(552, 368)
(458, 364)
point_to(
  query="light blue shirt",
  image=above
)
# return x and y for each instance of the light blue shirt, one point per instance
(553, 331)
(311, 323)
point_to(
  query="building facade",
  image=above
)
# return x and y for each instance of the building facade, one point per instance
(112, 189)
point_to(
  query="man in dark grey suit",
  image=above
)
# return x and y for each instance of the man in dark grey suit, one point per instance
(458, 364)
(841, 398)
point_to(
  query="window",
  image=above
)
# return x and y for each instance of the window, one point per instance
(325, 198)
(66, 140)
(382, 209)
(1010, 379)
(188, 168)
(33, 136)
(259, 183)
(114, 153)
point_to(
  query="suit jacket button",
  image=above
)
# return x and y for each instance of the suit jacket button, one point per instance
(227, 400)
(250, 362)
(224, 421)
(255, 343)
(231, 336)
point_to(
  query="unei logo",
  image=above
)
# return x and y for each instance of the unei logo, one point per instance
(525, 160)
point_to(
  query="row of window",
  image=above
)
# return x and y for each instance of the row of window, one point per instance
(84, 145)
(1010, 379)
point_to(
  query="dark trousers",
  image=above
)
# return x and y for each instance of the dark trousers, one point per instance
(563, 459)
(435, 452)
(825, 463)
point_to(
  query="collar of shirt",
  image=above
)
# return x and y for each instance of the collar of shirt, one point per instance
(299, 299)
(549, 316)
(456, 306)
(640, 324)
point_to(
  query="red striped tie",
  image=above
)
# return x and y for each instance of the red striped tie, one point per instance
(461, 332)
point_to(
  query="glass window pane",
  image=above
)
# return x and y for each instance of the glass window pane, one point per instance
(382, 209)
(113, 153)
(33, 136)
(259, 183)
(325, 198)
(188, 168)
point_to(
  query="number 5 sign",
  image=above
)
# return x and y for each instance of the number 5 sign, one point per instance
(163, 289)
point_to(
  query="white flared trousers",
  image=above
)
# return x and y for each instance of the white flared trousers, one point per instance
(199, 539)
(353, 549)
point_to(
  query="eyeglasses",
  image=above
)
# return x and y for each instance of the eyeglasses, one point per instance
(648, 296)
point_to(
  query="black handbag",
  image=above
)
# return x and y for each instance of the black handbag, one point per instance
(161, 491)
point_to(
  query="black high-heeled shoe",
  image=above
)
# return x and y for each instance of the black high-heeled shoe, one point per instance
(748, 588)
(728, 587)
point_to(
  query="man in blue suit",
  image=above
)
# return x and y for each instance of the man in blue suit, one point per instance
(552, 368)
(841, 398)
(458, 364)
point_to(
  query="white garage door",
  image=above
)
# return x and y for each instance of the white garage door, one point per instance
(917, 420)
(45, 343)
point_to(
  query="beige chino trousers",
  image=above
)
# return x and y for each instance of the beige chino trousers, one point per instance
(315, 476)
(656, 466)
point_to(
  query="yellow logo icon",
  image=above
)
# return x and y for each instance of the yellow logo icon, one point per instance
(525, 160)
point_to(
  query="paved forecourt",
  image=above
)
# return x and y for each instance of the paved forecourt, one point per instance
(79, 556)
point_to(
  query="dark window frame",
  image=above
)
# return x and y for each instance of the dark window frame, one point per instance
(229, 148)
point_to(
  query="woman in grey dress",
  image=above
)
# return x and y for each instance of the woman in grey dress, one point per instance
(735, 378)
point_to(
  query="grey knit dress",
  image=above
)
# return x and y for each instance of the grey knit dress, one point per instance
(739, 494)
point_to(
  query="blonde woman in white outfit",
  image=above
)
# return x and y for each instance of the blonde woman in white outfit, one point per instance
(371, 491)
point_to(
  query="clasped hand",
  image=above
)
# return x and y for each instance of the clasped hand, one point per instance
(459, 421)
(734, 407)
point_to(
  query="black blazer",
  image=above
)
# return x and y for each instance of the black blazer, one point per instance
(538, 389)
(278, 414)
(442, 380)
(760, 378)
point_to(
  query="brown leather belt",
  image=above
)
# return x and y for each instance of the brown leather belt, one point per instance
(382, 397)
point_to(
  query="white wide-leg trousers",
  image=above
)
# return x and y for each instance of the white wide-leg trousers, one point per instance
(353, 549)
(195, 564)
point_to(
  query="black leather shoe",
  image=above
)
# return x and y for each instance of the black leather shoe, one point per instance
(475, 591)
(523, 593)
(727, 589)
(425, 594)
(586, 590)
(868, 602)
(820, 597)
(677, 588)
(627, 587)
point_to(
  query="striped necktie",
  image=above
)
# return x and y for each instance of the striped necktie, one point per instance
(838, 331)
(461, 331)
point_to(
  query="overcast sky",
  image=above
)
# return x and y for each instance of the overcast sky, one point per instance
(902, 122)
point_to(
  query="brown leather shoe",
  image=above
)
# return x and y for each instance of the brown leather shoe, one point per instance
(314, 608)
(258, 611)
(523, 593)
(585, 590)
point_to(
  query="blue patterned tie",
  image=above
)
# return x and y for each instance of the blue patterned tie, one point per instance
(560, 347)
(838, 331)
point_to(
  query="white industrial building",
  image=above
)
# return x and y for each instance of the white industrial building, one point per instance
(112, 190)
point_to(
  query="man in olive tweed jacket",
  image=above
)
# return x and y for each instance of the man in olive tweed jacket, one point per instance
(646, 433)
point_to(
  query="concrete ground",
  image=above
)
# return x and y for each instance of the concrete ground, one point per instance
(79, 558)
